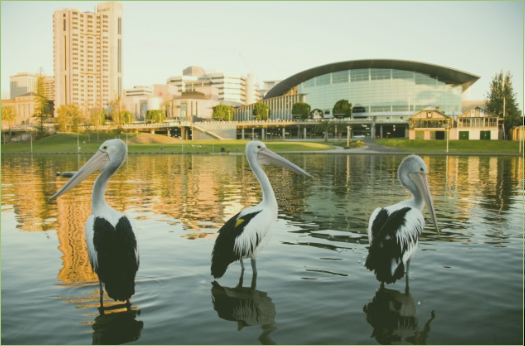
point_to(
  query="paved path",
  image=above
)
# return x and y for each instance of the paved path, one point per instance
(369, 148)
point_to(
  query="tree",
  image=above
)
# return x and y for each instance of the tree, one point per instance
(155, 116)
(301, 110)
(222, 112)
(261, 111)
(501, 100)
(126, 117)
(342, 108)
(69, 117)
(9, 115)
(43, 106)
(97, 116)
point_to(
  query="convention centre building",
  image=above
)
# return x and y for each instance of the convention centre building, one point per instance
(384, 94)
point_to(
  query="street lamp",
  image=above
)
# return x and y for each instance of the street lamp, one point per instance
(448, 132)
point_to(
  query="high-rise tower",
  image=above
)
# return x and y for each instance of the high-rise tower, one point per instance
(88, 56)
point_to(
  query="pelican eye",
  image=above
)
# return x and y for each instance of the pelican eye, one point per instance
(105, 147)
(259, 147)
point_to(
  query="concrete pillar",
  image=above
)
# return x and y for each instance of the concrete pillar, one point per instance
(242, 133)
(304, 132)
(262, 134)
(284, 133)
(152, 132)
(381, 131)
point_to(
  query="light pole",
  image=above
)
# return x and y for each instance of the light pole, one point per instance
(448, 133)
(348, 129)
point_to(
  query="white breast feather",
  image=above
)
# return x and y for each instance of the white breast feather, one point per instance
(408, 235)
(112, 216)
(258, 227)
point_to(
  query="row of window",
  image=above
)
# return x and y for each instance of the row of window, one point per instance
(369, 75)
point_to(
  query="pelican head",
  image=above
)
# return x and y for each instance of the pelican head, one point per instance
(111, 154)
(412, 173)
(265, 156)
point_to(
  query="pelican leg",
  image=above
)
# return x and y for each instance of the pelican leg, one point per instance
(254, 273)
(242, 266)
(101, 308)
(241, 278)
(406, 285)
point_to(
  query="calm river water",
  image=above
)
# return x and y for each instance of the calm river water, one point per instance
(466, 284)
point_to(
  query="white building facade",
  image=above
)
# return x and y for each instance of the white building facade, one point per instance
(88, 64)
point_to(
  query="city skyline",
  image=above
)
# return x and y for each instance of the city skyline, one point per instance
(277, 40)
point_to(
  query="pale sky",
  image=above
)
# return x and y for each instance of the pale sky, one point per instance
(275, 40)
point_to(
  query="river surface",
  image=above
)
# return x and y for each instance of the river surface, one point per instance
(466, 283)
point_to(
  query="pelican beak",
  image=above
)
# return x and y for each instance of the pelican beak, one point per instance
(266, 156)
(96, 163)
(422, 185)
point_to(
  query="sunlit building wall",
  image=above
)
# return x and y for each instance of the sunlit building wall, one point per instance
(232, 89)
(88, 56)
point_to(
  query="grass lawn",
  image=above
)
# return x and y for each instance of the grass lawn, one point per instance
(455, 146)
(67, 143)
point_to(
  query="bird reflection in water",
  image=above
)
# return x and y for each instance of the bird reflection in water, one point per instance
(247, 307)
(117, 328)
(392, 314)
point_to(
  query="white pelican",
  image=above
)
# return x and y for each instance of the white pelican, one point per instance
(111, 243)
(393, 231)
(246, 233)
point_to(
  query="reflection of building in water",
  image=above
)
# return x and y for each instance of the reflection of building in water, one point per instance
(72, 216)
(23, 188)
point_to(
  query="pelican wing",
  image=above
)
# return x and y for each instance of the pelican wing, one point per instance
(223, 251)
(117, 257)
(394, 236)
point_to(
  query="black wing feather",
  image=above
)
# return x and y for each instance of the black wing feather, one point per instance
(223, 253)
(117, 257)
(385, 245)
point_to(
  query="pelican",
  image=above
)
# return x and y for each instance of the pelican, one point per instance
(111, 243)
(245, 234)
(393, 231)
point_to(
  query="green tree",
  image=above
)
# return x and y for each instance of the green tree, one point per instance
(261, 111)
(501, 100)
(43, 106)
(9, 115)
(301, 110)
(222, 112)
(69, 118)
(155, 116)
(126, 117)
(97, 116)
(342, 108)
(324, 127)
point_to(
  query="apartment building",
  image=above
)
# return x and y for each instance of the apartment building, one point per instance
(232, 89)
(88, 55)
(26, 82)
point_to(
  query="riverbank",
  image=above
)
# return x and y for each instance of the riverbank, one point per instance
(67, 143)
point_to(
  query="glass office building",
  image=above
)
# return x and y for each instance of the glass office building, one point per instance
(383, 88)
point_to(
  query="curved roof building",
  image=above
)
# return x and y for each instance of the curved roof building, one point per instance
(379, 87)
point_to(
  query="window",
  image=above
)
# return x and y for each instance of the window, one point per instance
(340, 77)
(359, 75)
